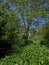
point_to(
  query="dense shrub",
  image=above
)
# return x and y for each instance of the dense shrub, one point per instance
(32, 54)
(8, 32)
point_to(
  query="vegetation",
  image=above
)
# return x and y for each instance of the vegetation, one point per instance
(32, 54)
(24, 32)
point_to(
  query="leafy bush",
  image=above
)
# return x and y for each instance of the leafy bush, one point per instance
(32, 54)
(8, 32)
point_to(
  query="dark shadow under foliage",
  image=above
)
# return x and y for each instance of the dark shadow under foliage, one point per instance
(4, 48)
(46, 43)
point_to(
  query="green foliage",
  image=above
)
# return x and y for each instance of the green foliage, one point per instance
(45, 34)
(8, 30)
(46, 31)
(32, 54)
(14, 34)
(27, 11)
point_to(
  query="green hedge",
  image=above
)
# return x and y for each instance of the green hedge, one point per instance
(32, 54)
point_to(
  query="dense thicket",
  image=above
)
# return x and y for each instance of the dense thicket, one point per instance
(17, 20)
(8, 31)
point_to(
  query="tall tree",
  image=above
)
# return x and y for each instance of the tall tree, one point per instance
(28, 11)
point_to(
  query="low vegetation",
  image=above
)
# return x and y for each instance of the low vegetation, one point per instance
(33, 54)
